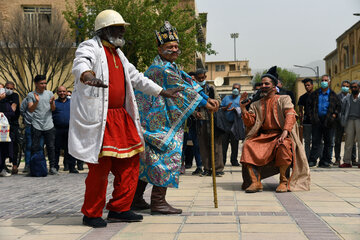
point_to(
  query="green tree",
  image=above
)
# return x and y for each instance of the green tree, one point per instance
(288, 78)
(145, 16)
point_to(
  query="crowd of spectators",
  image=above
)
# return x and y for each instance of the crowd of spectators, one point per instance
(325, 119)
(45, 122)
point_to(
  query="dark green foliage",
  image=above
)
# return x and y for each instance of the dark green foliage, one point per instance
(145, 16)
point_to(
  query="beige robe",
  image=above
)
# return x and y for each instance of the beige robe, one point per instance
(300, 175)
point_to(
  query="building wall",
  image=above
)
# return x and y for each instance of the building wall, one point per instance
(228, 69)
(344, 62)
(8, 8)
(232, 72)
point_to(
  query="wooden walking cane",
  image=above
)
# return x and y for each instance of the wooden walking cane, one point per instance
(213, 160)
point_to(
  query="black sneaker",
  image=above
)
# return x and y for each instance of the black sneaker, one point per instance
(198, 171)
(53, 171)
(324, 165)
(312, 164)
(94, 222)
(73, 170)
(219, 174)
(128, 216)
(206, 173)
(235, 164)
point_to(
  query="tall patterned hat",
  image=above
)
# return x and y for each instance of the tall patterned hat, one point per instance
(167, 34)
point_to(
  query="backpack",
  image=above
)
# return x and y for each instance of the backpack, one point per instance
(38, 166)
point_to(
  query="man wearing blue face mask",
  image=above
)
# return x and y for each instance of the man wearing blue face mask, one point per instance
(203, 129)
(229, 104)
(339, 130)
(324, 107)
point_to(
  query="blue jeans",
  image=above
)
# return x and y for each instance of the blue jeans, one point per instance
(319, 134)
(49, 139)
(28, 144)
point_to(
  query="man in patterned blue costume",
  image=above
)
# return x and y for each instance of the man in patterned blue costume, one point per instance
(163, 120)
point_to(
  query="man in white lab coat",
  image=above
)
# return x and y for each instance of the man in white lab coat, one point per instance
(104, 127)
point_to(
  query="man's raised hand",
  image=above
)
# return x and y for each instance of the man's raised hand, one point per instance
(171, 92)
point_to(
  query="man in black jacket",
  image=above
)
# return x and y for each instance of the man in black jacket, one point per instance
(324, 107)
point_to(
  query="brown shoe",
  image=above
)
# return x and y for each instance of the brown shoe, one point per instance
(159, 204)
(14, 169)
(256, 185)
(345, 165)
(138, 202)
(283, 180)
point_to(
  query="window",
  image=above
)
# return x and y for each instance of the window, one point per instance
(232, 67)
(336, 70)
(345, 62)
(353, 56)
(37, 15)
(219, 68)
(207, 68)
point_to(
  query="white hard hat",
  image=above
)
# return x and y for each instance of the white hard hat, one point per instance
(109, 18)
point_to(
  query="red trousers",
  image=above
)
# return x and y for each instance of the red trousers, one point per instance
(126, 172)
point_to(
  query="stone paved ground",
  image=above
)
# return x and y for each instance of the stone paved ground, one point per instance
(49, 208)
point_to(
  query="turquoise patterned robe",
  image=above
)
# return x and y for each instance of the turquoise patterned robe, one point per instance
(162, 120)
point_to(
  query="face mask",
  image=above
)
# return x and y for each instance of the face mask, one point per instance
(324, 84)
(235, 91)
(8, 91)
(68, 97)
(355, 92)
(345, 89)
(202, 83)
(117, 42)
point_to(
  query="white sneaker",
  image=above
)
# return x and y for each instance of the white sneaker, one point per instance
(4, 173)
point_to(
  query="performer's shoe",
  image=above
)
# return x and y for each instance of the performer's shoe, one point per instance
(94, 222)
(256, 185)
(283, 180)
(128, 216)
(159, 204)
(139, 203)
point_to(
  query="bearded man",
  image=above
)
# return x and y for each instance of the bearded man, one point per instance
(104, 126)
(273, 138)
(163, 123)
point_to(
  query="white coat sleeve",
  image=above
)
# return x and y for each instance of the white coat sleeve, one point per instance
(85, 58)
(142, 83)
